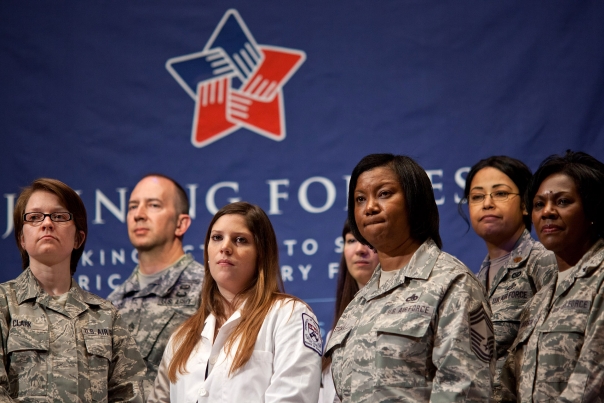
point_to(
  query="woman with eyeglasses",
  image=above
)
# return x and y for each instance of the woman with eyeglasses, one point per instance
(57, 341)
(558, 355)
(516, 266)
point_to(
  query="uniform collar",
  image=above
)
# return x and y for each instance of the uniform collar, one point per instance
(419, 267)
(519, 254)
(28, 288)
(590, 261)
(160, 287)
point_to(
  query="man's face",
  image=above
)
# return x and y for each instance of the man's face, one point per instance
(152, 217)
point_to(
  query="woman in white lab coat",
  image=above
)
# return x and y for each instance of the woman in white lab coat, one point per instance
(248, 341)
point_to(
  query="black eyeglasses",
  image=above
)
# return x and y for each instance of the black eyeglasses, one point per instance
(55, 217)
(495, 196)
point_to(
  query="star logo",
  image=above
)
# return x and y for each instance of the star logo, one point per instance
(236, 83)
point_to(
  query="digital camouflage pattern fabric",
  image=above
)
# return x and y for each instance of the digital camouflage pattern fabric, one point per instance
(423, 336)
(530, 266)
(80, 352)
(153, 313)
(559, 352)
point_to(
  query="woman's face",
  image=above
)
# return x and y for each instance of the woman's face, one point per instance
(497, 222)
(559, 218)
(360, 260)
(47, 242)
(232, 255)
(379, 209)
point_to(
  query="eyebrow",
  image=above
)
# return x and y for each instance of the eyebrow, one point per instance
(494, 186)
(555, 194)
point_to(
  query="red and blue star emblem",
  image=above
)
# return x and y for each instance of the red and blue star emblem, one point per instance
(236, 83)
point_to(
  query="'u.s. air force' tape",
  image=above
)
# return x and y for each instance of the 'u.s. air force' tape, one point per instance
(312, 334)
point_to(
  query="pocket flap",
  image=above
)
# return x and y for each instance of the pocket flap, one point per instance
(23, 338)
(410, 325)
(339, 335)
(98, 345)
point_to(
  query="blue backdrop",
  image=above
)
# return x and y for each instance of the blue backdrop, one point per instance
(274, 102)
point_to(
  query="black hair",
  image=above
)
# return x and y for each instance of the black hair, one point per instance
(420, 204)
(515, 169)
(588, 175)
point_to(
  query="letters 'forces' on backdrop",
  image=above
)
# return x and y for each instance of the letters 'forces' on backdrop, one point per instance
(275, 102)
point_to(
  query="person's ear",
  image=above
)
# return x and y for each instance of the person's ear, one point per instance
(183, 222)
(79, 239)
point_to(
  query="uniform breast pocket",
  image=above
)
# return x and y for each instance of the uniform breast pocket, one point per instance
(28, 354)
(402, 350)
(559, 349)
(99, 357)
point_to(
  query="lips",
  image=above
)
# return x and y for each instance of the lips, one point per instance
(45, 237)
(550, 229)
(489, 218)
(372, 222)
(224, 262)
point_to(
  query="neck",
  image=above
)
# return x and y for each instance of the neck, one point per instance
(568, 259)
(154, 261)
(399, 256)
(501, 248)
(54, 279)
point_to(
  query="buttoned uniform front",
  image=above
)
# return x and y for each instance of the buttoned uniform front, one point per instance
(529, 267)
(559, 351)
(282, 367)
(77, 352)
(422, 336)
(153, 313)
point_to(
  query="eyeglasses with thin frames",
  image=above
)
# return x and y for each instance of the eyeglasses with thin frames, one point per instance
(498, 196)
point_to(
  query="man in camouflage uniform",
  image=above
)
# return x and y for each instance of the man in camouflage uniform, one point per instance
(77, 350)
(165, 288)
(559, 352)
(529, 267)
(423, 336)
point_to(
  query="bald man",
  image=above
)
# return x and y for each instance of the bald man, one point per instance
(165, 288)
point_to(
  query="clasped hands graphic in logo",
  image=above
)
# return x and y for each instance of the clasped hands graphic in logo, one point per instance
(236, 83)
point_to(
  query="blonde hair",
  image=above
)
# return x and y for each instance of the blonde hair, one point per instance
(260, 295)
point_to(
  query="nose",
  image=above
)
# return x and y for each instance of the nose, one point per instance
(226, 247)
(549, 210)
(138, 213)
(47, 222)
(361, 250)
(371, 206)
(487, 203)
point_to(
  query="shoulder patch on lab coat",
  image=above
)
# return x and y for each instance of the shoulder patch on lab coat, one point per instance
(312, 334)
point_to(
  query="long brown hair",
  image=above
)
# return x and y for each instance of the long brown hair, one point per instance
(265, 289)
(347, 287)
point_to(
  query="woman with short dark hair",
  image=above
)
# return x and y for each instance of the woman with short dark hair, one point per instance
(516, 266)
(420, 330)
(57, 341)
(559, 352)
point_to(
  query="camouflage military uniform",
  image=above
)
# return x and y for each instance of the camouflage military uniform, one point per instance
(152, 314)
(80, 352)
(559, 351)
(530, 266)
(424, 335)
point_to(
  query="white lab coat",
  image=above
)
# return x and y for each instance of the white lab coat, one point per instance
(327, 394)
(282, 367)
